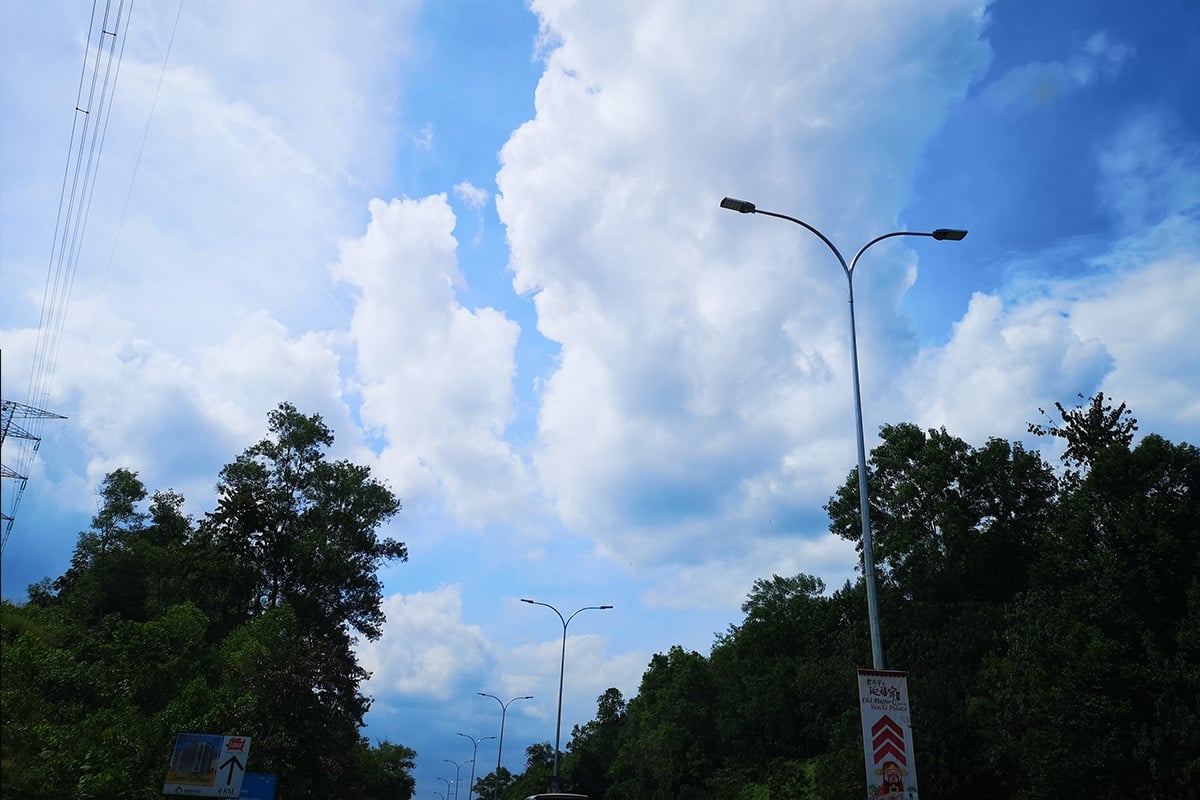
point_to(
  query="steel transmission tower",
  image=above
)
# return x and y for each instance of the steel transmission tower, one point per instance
(8, 412)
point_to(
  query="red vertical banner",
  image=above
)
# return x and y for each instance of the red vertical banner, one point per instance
(887, 735)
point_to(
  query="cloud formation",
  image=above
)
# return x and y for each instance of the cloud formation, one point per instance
(1041, 83)
(436, 377)
(702, 385)
(426, 647)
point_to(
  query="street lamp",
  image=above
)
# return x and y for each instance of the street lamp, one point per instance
(941, 234)
(447, 781)
(554, 780)
(474, 753)
(457, 766)
(500, 745)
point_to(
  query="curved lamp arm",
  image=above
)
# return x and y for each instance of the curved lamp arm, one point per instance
(941, 234)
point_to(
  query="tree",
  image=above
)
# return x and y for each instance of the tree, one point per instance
(772, 672)
(1098, 671)
(784, 677)
(935, 501)
(594, 746)
(243, 624)
(539, 766)
(387, 770)
(957, 530)
(302, 533)
(305, 527)
(106, 573)
(671, 719)
(120, 492)
(1088, 431)
(494, 785)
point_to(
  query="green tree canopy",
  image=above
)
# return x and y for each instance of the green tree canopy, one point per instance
(242, 625)
(304, 528)
(668, 718)
(594, 746)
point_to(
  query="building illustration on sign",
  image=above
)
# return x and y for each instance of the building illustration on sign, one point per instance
(194, 759)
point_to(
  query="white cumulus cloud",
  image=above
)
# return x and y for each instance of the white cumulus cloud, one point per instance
(702, 384)
(436, 377)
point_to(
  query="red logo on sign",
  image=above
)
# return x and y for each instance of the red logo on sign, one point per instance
(887, 739)
(236, 743)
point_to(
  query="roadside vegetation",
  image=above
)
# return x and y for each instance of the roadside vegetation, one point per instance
(1047, 616)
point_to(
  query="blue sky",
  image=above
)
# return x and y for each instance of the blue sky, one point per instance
(482, 240)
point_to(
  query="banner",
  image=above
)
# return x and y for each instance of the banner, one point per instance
(887, 735)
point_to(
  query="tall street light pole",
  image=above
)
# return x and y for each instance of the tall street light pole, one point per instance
(555, 782)
(474, 754)
(941, 234)
(500, 745)
(458, 765)
(447, 782)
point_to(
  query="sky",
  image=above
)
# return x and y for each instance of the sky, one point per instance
(482, 239)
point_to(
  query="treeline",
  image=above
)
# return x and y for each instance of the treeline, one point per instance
(241, 622)
(1049, 622)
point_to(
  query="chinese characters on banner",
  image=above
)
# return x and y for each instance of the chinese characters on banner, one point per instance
(887, 735)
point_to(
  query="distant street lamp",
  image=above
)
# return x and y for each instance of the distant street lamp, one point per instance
(941, 234)
(458, 765)
(500, 745)
(447, 781)
(555, 782)
(474, 754)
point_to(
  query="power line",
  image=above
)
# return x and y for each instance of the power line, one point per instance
(142, 147)
(85, 151)
(90, 120)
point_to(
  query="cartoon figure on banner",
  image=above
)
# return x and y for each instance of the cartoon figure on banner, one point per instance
(892, 785)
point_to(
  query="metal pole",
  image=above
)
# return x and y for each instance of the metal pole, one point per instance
(457, 774)
(864, 503)
(561, 670)
(500, 745)
(941, 234)
(474, 754)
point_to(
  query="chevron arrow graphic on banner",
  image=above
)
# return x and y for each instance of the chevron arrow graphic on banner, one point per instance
(890, 749)
(887, 738)
(886, 723)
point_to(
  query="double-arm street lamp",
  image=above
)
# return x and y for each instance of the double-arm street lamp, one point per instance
(554, 779)
(474, 754)
(941, 234)
(500, 745)
(458, 765)
(447, 781)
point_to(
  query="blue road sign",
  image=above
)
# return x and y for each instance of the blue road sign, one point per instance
(258, 786)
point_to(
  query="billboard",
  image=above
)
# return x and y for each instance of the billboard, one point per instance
(207, 765)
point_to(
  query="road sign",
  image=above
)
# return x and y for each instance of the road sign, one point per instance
(887, 735)
(258, 786)
(207, 765)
